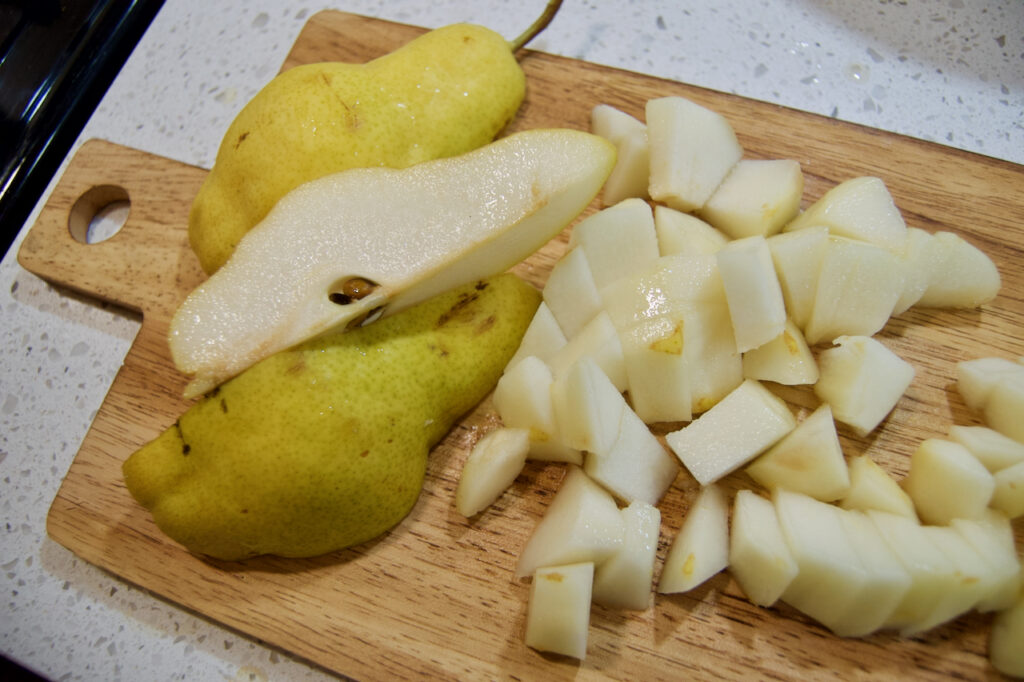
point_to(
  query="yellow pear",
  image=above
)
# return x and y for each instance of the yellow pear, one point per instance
(447, 92)
(325, 446)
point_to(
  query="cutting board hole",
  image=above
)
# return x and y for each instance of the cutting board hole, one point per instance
(99, 214)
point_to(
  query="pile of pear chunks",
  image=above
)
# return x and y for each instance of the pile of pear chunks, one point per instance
(688, 316)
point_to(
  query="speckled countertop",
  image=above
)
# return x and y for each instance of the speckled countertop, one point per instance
(950, 71)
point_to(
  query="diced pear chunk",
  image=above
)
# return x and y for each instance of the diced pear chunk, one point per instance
(613, 124)
(682, 233)
(757, 197)
(558, 613)
(831, 577)
(962, 275)
(631, 174)
(946, 482)
(918, 263)
(701, 547)
(582, 523)
(808, 460)
(692, 150)
(599, 341)
(932, 578)
(619, 240)
(992, 537)
(741, 426)
(624, 580)
(992, 448)
(871, 487)
(1005, 407)
(759, 557)
(588, 407)
(752, 289)
(636, 466)
(522, 399)
(977, 378)
(543, 337)
(656, 369)
(492, 466)
(862, 380)
(859, 208)
(797, 257)
(715, 366)
(786, 359)
(570, 292)
(1004, 649)
(1008, 496)
(973, 576)
(858, 286)
(886, 582)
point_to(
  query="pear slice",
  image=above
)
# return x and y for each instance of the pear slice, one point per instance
(352, 246)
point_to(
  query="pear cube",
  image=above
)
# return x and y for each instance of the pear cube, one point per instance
(977, 378)
(992, 537)
(1004, 649)
(786, 359)
(657, 371)
(962, 275)
(1005, 406)
(682, 233)
(946, 482)
(624, 580)
(445, 223)
(588, 407)
(692, 150)
(918, 261)
(830, 576)
(558, 612)
(1008, 496)
(715, 366)
(599, 341)
(859, 208)
(759, 558)
(973, 576)
(619, 240)
(571, 294)
(492, 466)
(886, 582)
(701, 547)
(858, 286)
(862, 380)
(757, 197)
(613, 124)
(808, 460)
(871, 487)
(636, 467)
(752, 290)
(741, 426)
(581, 524)
(629, 179)
(543, 338)
(990, 447)
(797, 257)
(522, 399)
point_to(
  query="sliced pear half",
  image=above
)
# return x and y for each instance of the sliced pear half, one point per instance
(350, 247)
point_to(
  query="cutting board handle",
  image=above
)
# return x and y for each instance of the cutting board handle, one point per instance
(146, 265)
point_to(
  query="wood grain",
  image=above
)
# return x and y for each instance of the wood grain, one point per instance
(436, 597)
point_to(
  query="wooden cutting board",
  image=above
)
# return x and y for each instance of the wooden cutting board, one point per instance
(436, 597)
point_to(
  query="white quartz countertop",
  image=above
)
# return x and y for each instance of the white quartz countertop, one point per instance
(949, 71)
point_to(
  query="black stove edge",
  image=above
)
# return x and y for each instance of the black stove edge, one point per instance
(114, 42)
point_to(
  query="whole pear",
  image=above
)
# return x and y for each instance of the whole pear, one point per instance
(325, 445)
(447, 92)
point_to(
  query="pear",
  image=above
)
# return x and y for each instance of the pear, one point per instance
(445, 93)
(370, 241)
(325, 446)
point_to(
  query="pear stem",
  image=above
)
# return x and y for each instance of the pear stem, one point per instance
(537, 26)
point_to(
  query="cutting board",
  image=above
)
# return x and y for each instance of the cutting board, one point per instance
(436, 596)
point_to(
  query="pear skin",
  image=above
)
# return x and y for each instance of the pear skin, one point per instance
(325, 445)
(445, 93)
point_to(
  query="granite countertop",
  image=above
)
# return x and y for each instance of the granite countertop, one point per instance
(949, 71)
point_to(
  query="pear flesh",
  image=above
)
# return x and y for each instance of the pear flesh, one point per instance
(325, 445)
(405, 234)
